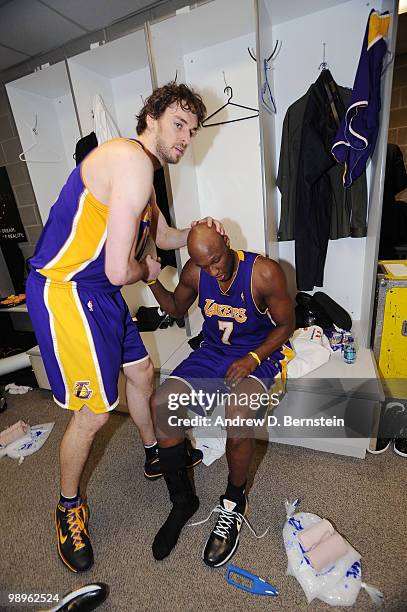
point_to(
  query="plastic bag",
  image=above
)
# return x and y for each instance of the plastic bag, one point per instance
(337, 585)
(27, 446)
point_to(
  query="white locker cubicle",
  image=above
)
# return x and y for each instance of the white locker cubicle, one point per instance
(119, 72)
(44, 113)
(350, 268)
(302, 29)
(221, 175)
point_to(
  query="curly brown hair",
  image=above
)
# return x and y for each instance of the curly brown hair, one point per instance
(163, 97)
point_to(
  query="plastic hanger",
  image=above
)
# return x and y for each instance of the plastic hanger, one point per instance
(22, 156)
(229, 92)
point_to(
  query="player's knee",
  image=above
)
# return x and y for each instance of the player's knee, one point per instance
(88, 423)
(141, 375)
(234, 411)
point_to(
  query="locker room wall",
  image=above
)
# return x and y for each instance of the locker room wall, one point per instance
(226, 173)
(43, 99)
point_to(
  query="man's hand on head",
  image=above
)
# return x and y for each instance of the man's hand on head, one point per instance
(210, 221)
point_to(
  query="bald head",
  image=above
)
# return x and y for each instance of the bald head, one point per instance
(204, 241)
(209, 252)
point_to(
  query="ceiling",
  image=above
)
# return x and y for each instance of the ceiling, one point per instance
(56, 23)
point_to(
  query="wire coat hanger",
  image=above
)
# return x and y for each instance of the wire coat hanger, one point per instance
(229, 92)
(22, 155)
(266, 91)
(266, 94)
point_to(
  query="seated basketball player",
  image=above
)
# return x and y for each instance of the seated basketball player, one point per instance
(248, 318)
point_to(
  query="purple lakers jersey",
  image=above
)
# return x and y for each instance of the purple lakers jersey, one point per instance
(72, 244)
(232, 320)
(356, 138)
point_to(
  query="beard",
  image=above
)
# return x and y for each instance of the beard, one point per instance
(165, 153)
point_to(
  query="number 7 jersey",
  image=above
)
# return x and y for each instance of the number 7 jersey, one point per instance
(232, 321)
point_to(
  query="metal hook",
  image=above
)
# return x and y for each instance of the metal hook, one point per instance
(253, 56)
(224, 78)
(34, 129)
(251, 53)
(229, 92)
(323, 65)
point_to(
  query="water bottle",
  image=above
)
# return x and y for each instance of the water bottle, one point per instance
(349, 350)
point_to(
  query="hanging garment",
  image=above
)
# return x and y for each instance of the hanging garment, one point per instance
(104, 124)
(84, 146)
(356, 138)
(313, 198)
(393, 230)
(349, 206)
(167, 257)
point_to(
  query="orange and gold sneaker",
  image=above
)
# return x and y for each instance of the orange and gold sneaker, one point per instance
(74, 547)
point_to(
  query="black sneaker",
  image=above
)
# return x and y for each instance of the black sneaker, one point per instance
(224, 539)
(152, 468)
(74, 547)
(86, 598)
(400, 444)
(382, 444)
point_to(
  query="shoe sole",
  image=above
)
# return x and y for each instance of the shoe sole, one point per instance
(60, 555)
(84, 597)
(155, 476)
(399, 452)
(376, 452)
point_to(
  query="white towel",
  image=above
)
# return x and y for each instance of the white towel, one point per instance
(312, 350)
(104, 125)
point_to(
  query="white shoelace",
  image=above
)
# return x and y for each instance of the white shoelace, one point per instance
(225, 522)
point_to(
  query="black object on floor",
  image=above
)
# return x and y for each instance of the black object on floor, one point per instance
(338, 314)
(320, 309)
(400, 444)
(382, 444)
(152, 318)
(308, 312)
(24, 378)
(3, 401)
(195, 342)
(392, 426)
(152, 467)
(84, 599)
(306, 318)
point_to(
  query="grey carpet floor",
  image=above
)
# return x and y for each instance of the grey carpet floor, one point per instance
(365, 499)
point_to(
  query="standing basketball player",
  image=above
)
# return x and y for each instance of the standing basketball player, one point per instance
(91, 245)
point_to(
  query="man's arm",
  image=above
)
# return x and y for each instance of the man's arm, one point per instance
(167, 237)
(131, 185)
(269, 291)
(177, 303)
